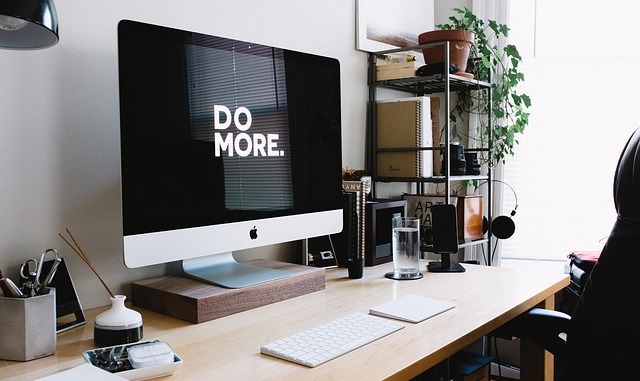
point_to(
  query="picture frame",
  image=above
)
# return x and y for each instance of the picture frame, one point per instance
(469, 213)
(378, 235)
(69, 312)
(383, 25)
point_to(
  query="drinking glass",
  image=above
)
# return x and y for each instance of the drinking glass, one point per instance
(405, 246)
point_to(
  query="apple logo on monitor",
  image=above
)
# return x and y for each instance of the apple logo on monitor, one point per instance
(253, 233)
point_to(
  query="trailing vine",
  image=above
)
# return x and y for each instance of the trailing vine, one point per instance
(488, 62)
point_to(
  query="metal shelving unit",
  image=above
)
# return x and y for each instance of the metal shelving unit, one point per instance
(444, 83)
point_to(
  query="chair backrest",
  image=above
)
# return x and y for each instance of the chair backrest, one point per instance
(626, 186)
(604, 324)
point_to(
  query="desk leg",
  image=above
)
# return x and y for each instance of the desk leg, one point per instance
(536, 364)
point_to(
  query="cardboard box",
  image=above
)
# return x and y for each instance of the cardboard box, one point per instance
(29, 327)
(468, 208)
(397, 70)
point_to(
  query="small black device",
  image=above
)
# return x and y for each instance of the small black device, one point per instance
(458, 162)
(321, 252)
(444, 225)
(473, 164)
(435, 68)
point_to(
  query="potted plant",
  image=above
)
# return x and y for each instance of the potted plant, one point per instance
(489, 62)
(461, 42)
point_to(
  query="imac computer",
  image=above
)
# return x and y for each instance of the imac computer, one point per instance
(225, 145)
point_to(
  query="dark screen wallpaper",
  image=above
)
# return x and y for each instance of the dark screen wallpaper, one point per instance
(278, 138)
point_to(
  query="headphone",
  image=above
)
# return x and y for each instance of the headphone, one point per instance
(502, 227)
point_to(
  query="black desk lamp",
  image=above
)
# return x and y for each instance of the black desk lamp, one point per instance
(28, 24)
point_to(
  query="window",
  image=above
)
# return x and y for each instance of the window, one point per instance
(254, 77)
(580, 64)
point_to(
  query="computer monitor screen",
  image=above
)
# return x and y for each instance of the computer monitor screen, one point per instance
(225, 145)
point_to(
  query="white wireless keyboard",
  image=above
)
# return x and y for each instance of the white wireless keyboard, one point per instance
(330, 340)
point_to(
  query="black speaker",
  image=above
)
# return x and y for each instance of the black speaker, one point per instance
(444, 228)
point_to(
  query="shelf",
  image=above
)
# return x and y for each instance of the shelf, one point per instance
(433, 84)
(461, 245)
(443, 83)
(409, 149)
(433, 179)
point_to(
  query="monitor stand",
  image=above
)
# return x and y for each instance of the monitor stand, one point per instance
(223, 270)
(445, 265)
(190, 299)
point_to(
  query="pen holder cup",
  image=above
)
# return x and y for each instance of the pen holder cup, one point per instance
(28, 327)
(355, 268)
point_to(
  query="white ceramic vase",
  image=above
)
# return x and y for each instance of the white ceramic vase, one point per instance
(118, 324)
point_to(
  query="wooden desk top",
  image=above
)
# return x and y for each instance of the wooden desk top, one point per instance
(229, 347)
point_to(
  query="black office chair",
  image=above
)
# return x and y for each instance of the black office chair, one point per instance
(603, 332)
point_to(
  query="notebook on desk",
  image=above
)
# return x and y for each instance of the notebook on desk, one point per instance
(412, 308)
(82, 373)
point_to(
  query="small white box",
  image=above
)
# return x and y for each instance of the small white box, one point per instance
(151, 354)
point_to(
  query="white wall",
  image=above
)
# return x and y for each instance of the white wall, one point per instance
(59, 117)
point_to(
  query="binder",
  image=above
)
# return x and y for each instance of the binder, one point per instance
(435, 132)
(406, 124)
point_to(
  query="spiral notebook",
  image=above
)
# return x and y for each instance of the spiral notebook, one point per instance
(404, 123)
(412, 308)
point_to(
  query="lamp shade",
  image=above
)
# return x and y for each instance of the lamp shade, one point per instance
(28, 24)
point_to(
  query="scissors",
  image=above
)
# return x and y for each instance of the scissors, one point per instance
(31, 273)
(52, 271)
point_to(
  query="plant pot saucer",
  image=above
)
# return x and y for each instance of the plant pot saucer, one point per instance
(464, 74)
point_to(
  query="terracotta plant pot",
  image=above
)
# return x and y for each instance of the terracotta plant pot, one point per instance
(459, 47)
